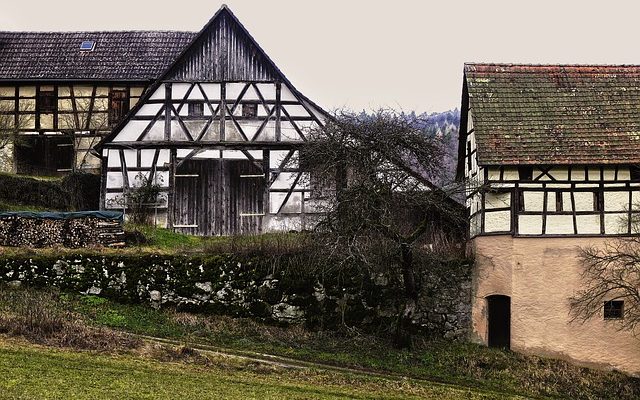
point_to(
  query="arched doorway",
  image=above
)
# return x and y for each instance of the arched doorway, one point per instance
(499, 307)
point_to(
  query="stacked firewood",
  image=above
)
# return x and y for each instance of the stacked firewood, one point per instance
(22, 231)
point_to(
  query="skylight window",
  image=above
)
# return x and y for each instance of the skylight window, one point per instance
(87, 45)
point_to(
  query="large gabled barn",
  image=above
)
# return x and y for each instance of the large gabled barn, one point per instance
(219, 131)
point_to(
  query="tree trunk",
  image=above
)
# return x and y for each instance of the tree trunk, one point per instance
(404, 337)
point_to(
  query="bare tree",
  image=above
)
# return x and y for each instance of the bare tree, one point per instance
(84, 124)
(371, 176)
(610, 273)
(11, 123)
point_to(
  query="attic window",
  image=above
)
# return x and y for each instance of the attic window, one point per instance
(613, 309)
(87, 45)
(250, 110)
(525, 173)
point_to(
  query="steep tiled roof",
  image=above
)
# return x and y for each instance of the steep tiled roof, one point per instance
(555, 114)
(134, 55)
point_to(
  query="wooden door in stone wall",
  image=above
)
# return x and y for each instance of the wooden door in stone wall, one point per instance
(218, 197)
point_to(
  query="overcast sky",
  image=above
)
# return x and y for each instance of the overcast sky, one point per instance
(404, 54)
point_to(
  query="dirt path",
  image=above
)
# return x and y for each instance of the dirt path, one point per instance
(290, 363)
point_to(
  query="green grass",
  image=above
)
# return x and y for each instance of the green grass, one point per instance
(29, 372)
(451, 362)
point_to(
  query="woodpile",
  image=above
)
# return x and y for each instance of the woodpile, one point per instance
(86, 231)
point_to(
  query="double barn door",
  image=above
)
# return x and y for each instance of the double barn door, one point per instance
(218, 197)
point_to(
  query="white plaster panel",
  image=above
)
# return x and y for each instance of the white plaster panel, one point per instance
(494, 173)
(158, 94)
(474, 225)
(155, 133)
(609, 173)
(561, 174)
(288, 132)
(624, 174)
(251, 94)
(131, 158)
(275, 201)
(510, 174)
(131, 131)
(233, 90)
(551, 202)
(268, 90)
(177, 133)
(635, 200)
(212, 90)
(293, 204)
(182, 153)
(616, 201)
(615, 223)
(208, 154)
(577, 174)
(497, 200)
(113, 158)
(588, 224)
(286, 94)
(146, 158)
(530, 224)
(284, 180)
(149, 110)
(584, 201)
(113, 201)
(296, 110)
(196, 94)
(497, 221)
(533, 201)
(114, 180)
(163, 157)
(559, 224)
(594, 174)
(276, 157)
(179, 90)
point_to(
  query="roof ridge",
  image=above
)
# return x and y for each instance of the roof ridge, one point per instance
(548, 65)
(99, 31)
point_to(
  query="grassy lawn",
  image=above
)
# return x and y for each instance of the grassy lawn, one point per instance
(451, 362)
(30, 372)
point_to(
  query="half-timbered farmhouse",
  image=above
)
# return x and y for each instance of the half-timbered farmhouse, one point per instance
(61, 92)
(219, 131)
(550, 154)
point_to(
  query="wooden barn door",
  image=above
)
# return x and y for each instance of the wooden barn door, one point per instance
(218, 197)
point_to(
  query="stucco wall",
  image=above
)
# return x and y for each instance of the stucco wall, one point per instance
(540, 274)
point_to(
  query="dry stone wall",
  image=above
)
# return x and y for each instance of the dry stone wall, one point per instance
(252, 287)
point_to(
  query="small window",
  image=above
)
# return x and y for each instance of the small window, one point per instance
(118, 105)
(196, 109)
(525, 173)
(634, 170)
(87, 45)
(46, 101)
(250, 110)
(613, 309)
(559, 202)
(597, 201)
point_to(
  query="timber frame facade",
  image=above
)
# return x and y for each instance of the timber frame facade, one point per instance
(58, 100)
(550, 154)
(219, 131)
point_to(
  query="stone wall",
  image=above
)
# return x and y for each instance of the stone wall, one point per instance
(253, 287)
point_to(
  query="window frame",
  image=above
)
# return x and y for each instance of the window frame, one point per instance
(113, 120)
(618, 311)
(51, 97)
(250, 106)
(195, 109)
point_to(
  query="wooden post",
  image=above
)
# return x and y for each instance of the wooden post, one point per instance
(103, 181)
(172, 187)
(278, 111)
(223, 110)
(167, 111)
(266, 168)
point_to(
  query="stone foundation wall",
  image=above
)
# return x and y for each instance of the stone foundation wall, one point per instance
(252, 287)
